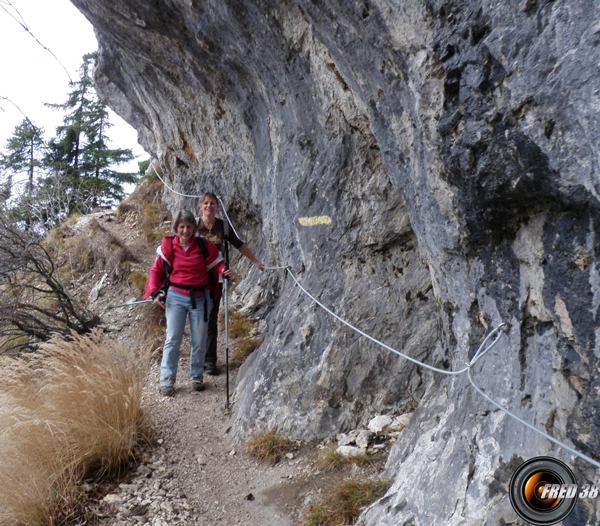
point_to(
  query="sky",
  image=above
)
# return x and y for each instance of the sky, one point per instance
(31, 76)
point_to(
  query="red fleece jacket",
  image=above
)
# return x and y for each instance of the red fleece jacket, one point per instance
(189, 267)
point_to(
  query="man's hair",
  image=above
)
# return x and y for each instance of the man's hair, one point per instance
(183, 216)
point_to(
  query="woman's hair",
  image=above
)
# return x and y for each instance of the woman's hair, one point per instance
(211, 195)
(183, 216)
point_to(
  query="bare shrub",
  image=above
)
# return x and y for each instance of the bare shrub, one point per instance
(54, 200)
(35, 302)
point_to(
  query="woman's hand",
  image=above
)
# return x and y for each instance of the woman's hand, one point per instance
(228, 273)
(248, 253)
(160, 299)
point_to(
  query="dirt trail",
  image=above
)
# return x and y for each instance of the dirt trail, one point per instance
(197, 475)
(202, 469)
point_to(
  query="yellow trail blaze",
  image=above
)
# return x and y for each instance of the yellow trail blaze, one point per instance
(316, 220)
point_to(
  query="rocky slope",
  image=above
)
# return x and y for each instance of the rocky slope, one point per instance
(454, 146)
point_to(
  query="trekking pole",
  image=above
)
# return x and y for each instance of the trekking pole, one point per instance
(149, 300)
(225, 280)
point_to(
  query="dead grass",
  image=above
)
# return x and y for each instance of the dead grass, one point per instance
(138, 279)
(145, 208)
(78, 246)
(331, 460)
(239, 326)
(344, 502)
(155, 326)
(151, 220)
(243, 348)
(71, 411)
(242, 332)
(148, 191)
(267, 446)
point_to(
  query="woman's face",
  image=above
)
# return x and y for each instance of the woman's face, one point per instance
(208, 207)
(185, 232)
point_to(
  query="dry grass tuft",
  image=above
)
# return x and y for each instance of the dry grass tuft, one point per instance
(151, 219)
(78, 246)
(267, 446)
(138, 279)
(145, 211)
(70, 412)
(239, 326)
(148, 191)
(343, 503)
(244, 347)
(153, 336)
(243, 334)
(331, 459)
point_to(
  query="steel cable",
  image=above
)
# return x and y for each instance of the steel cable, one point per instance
(481, 351)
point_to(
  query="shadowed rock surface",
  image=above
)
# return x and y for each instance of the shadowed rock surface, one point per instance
(455, 147)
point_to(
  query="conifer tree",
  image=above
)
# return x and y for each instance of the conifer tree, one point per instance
(80, 151)
(24, 153)
(5, 188)
(75, 171)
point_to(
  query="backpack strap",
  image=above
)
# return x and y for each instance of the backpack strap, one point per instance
(165, 251)
(211, 281)
(226, 242)
(167, 267)
(203, 246)
(226, 229)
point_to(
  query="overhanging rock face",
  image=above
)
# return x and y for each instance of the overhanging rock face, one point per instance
(455, 148)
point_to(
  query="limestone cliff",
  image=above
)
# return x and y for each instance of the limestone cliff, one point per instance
(455, 146)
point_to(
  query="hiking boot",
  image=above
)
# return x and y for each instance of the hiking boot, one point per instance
(167, 390)
(197, 386)
(211, 368)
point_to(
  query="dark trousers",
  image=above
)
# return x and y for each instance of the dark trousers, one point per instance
(213, 329)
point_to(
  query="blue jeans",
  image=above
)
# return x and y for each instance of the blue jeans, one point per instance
(177, 308)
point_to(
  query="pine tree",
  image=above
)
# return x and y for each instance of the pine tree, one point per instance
(80, 151)
(104, 183)
(5, 188)
(75, 171)
(24, 154)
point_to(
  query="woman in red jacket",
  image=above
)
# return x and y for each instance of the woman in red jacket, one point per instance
(187, 262)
